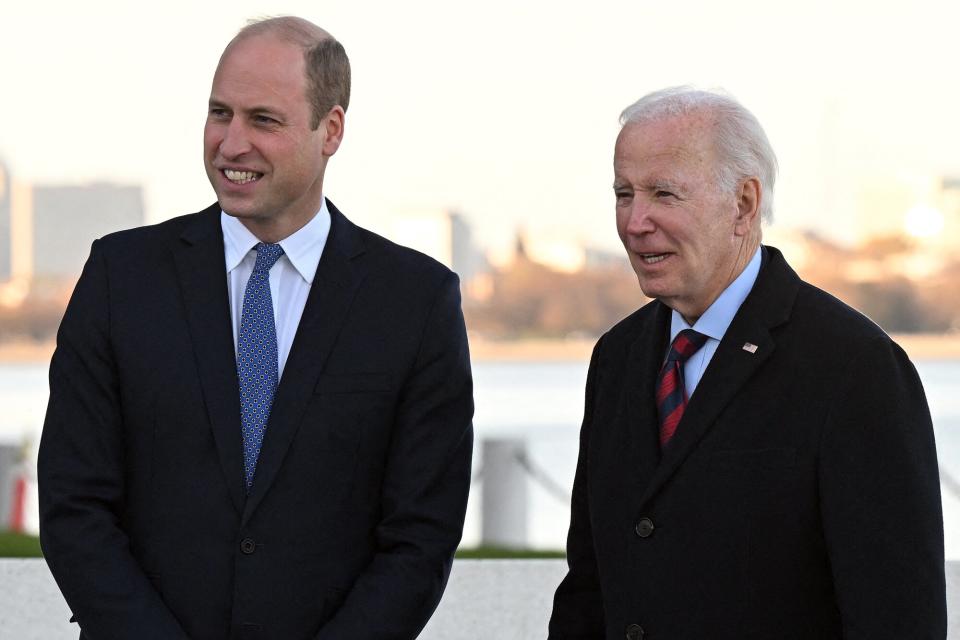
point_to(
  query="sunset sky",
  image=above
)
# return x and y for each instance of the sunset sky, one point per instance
(504, 111)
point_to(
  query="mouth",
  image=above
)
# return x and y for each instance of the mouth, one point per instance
(653, 258)
(241, 177)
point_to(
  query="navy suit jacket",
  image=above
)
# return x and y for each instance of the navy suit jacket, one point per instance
(360, 491)
(798, 500)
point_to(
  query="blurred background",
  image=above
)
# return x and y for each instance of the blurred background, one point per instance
(482, 134)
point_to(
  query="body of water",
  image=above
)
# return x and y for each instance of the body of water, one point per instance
(542, 404)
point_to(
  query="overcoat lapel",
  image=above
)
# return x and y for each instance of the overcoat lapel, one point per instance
(333, 290)
(201, 271)
(640, 442)
(767, 306)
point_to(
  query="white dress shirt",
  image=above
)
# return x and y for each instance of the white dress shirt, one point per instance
(290, 277)
(714, 322)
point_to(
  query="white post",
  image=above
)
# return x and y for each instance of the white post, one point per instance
(504, 513)
(9, 464)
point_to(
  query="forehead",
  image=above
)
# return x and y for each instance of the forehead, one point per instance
(674, 145)
(259, 67)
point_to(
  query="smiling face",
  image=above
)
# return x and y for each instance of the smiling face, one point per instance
(686, 238)
(263, 159)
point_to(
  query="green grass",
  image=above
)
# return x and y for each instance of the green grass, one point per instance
(17, 545)
(494, 553)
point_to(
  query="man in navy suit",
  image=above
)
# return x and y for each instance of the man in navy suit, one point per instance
(756, 458)
(260, 414)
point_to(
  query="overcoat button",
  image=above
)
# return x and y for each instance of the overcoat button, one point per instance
(644, 528)
(248, 546)
(634, 632)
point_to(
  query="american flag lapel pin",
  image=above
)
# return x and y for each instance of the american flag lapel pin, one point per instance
(749, 347)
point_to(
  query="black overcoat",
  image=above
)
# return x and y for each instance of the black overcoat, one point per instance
(798, 500)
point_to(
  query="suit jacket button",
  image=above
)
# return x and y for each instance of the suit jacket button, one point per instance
(634, 632)
(644, 528)
(248, 546)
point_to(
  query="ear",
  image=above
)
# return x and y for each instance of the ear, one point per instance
(332, 129)
(748, 207)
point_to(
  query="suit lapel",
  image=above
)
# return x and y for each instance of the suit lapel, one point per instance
(201, 271)
(767, 306)
(333, 290)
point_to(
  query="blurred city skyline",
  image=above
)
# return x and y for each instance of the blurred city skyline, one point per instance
(545, 288)
(507, 113)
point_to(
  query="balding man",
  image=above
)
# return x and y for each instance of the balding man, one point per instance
(756, 458)
(260, 414)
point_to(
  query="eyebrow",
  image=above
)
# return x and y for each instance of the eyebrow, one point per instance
(665, 185)
(654, 185)
(252, 110)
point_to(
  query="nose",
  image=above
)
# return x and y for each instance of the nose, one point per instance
(236, 140)
(640, 220)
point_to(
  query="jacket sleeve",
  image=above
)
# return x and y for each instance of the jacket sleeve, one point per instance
(577, 604)
(424, 488)
(880, 501)
(81, 477)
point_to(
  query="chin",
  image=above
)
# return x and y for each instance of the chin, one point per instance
(238, 209)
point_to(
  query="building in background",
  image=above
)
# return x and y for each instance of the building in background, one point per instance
(446, 237)
(595, 257)
(45, 237)
(46, 230)
(6, 250)
(67, 219)
(950, 208)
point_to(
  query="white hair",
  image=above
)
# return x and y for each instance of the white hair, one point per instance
(740, 142)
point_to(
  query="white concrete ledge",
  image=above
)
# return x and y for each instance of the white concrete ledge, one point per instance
(503, 599)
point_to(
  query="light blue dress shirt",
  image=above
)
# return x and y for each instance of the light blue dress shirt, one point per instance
(714, 322)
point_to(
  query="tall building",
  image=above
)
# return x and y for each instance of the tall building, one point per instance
(67, 219)
(444, 236)
(950, 203)
(466, 259)
(6, 238)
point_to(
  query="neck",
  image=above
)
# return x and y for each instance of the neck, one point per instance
(748, 247)
(274, 229)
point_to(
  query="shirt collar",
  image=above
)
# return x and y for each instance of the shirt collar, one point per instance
(718, 316)
(303, 248)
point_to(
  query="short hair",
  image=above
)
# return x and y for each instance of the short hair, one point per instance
(325, 60)
(741, 144)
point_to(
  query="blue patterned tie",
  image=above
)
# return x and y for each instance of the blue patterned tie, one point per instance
(257, 356)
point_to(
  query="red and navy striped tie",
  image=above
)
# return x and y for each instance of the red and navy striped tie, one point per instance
(671, 392)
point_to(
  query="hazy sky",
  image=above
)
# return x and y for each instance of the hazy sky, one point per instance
(505, 111)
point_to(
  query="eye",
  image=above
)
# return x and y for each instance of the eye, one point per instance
(218, 113)
(261, 119)
(663, 193)
(623, 196)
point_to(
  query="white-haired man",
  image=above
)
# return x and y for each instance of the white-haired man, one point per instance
(756, 458)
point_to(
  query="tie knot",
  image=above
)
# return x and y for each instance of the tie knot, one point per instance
(267, 256)
(687, 343)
